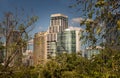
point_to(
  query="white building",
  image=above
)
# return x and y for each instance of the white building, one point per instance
(89, 52)
(68, 40)
(58, 23)
(28, 58)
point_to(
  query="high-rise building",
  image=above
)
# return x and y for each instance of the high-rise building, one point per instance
(91, 51)
(28, 58)
(58, 23)
(40, 51)
(68, 40)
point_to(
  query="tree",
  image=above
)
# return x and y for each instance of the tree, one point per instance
(101, 20)
(66, 65)
(1, 52)
(15, 29)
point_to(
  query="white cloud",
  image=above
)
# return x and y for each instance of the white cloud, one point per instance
(77, 20)
(80, 20)
(40, 28)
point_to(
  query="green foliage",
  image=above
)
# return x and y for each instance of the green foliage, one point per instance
(32, 20)
(104, 65)
(118, 25)
(15, 35)
(105, 22)
(100, 3)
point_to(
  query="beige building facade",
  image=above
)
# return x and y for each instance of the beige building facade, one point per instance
(40, 51)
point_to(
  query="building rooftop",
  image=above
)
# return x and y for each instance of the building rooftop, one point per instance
(58, 14)
(39, 34)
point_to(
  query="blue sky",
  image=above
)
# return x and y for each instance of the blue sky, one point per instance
(42, 8)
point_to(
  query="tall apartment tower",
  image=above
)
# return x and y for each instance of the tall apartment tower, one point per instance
(58, 23)
(39, 54)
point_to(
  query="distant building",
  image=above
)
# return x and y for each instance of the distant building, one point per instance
(58, 23)
(28, 54)
(30, 44)
(40, 48)
(57, 39)
(89, 52)
(28, 58)
(68, 40)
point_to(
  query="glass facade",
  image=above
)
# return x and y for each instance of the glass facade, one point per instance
(66, 42)
(58, 23)
(90, 52)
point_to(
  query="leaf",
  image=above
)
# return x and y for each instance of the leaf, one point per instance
(82, 23)
(81, 37)
(118, 24)
(109, 15)
(21, 27)
(72, 6)
(100, 3)
(113, 42)
(32, 20)
(90, 15)
(98, 30)
(87, 23)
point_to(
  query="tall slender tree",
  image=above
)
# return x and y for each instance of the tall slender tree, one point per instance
(15, 29)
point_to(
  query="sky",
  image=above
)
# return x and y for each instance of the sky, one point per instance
(43, 9)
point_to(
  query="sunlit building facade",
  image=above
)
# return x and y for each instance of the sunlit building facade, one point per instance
(68, 40)
(58, 23)
(39, 52)
(27, 59)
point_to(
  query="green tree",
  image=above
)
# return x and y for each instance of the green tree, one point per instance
(15, 30)
(101, 20)
(1, 52)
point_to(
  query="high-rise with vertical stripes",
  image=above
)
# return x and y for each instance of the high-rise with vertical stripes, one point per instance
(58, 23)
